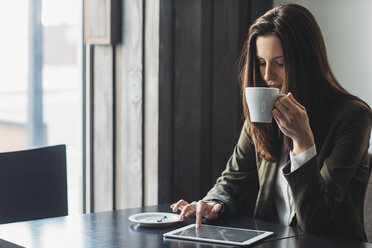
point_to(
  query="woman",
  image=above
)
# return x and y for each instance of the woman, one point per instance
(308, 167)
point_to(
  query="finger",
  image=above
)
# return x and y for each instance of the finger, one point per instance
(278, 116)
(291, 97)
(275, 115)
(179, 205)
(281, 121)
(288, 104)
(281, 125)
(190, 213)
(214, 212)
(200, 206)
(185, 210)
(281, 107)
(217, 208)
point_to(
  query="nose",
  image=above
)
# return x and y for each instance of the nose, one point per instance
(269, 73)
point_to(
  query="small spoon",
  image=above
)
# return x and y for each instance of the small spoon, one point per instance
(160, 220)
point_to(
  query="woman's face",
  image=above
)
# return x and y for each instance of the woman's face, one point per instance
(271, 61)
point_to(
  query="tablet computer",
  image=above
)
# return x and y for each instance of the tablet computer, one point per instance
(218, 234)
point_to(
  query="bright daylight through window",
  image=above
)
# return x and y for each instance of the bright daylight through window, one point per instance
(54, 48)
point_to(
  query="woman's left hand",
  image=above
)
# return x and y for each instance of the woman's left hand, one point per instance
(293, 121)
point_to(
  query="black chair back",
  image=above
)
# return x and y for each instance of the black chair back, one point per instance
(33, 184)
(368, 205)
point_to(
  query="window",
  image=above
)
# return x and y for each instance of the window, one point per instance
(41, 81)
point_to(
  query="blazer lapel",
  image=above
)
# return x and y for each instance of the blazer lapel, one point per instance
(265, 207)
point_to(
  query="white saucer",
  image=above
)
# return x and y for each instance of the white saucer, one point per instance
(152, 219)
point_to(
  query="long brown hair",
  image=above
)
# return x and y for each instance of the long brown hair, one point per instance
(308, 75)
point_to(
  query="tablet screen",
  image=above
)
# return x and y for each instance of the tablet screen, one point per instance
(219, 234)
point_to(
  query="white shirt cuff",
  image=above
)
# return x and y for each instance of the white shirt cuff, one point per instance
(300, 159)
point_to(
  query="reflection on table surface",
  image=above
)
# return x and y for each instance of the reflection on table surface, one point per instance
(113, 229)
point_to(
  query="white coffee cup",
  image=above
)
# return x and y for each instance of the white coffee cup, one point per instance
(260, 101)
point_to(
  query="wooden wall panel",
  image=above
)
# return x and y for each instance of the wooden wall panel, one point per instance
(187, 96)
(166, 104)
(103, 129)
(226, 110)
(200, 112)
(116, 80)
(151, 102)
(206, 108)
(102, 21)
(129, 103)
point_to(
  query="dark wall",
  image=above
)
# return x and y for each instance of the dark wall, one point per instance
(200, 113)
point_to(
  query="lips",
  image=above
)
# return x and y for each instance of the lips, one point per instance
(277, 86)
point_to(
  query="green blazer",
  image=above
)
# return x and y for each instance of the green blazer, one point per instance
(328, 190)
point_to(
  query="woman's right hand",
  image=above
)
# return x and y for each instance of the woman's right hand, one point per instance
(200, 209)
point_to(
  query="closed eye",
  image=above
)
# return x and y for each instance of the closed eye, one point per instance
(280, 62)
(261, 62)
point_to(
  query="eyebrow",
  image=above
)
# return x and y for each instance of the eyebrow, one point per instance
(277, 57)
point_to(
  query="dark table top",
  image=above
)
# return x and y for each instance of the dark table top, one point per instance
(113, 229)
